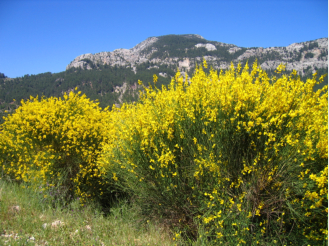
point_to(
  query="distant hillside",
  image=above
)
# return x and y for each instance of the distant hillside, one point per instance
(111, 77)
(184, 51)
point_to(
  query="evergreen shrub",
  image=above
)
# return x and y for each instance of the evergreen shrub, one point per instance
(55, 142)
(238, 154)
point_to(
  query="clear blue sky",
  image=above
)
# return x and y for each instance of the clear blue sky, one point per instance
(45, 36)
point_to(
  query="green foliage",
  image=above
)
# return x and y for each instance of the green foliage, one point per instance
(2, 76)
(309, 55)
(96, 84)
(183, 46)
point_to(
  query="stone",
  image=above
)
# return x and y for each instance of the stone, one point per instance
(209, 47)
(15, 209)
(56, 224)
(163, 75)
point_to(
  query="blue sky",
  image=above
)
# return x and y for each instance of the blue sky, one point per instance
(45, 36)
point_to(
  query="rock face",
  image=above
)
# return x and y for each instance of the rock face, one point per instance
(209, 47)
(121, 57)
(299, 56)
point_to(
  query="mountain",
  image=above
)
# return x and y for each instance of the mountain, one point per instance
(111, 77)
(184, 51)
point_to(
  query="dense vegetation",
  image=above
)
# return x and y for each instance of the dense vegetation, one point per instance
(96, 84)
(183, 46)
(233, 157)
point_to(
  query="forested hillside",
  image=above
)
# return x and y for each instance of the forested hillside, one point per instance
(98, 84)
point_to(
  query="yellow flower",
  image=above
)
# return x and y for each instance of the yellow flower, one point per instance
(205, 63)
(155, 78)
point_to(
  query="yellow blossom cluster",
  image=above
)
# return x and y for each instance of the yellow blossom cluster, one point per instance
(225, 147)
(54, 140)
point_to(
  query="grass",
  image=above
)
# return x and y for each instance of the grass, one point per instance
(26, 218)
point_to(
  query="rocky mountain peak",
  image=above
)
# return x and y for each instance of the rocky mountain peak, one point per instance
(146, 43)
(184, 51)
(119, 57)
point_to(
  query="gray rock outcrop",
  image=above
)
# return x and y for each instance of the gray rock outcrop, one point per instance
(121, 57)
(209, 47)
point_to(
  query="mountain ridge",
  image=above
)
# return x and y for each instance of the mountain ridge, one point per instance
(299, 56)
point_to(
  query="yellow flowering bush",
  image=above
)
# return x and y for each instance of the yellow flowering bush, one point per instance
(229, 157)
(55, 141)
(243, 154)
